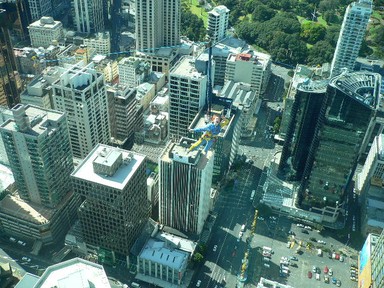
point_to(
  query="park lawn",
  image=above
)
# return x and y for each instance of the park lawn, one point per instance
(199, 11)
(320, 20)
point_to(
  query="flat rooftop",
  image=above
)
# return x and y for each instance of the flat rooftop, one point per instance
(76, 273)
(16, 207)
(85, 170)
(179, 152)
(186, 67)
(38, 119)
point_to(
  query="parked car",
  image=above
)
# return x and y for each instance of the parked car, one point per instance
(300, 225)
(338, 283)
(198, 283)
(293, 258)
(317, 276)
(321, 242)
(341, 258)
(290, 232)
(260, 218)
(26, 259)
(309, 274)
(308, 228)
(304, 231)
(326, 279)
(330, 272)
(314, 269)
(334, 280)
(288, 244)
(215, 248)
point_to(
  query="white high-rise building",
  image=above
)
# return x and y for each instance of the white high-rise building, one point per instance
(187, 95)
(185, 186)
(133, 71)
(218, 23)
(42, 32)
(40, 8)
(81, 93)
(351, 36)
(37, 144)
(251, 68)
(157, 24)
(88, 15)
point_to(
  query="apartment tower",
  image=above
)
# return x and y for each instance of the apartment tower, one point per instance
(157, 24)
(218, 23)
(81, 93)
(37, 144)
(185, 186)
(114, 185)
(351, 36)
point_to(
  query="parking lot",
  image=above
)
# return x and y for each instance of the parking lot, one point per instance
(275, 232)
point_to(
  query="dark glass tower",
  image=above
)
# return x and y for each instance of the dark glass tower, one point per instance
(344, 126)
(9, 86)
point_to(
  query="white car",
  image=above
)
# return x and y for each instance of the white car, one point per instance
(321, 242)
(300, 225)
(198, 283)
(308, 228)
(215, 248)
(26, 259)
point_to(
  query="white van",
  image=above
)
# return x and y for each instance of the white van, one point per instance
(252, 195)
(12, 239)
(319, 252)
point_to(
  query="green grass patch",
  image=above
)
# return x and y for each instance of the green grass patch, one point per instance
(309, 46)
(198, 10)
(321, 21)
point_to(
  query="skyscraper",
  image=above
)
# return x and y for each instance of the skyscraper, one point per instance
(157, 24)
(88, 16)
(80, 92)
(187, 95)
(114, 185)
(351, 36)
(37, 144)
(185, 186)
(40, 8)
(343, 129)
(10, 83)
(218, 23)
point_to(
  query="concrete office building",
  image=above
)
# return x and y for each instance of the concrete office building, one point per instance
(40, 8)
(76, 271)
(351, 36)
(343, 129)
(252, 68)
(218, 23)
(43, 176)
(5, 114)
(157, 24)
(133, 71)
(185, 186)
(44, 31)
(88, 15)
(187, 94)
(369, 184)
(37, 144)
(81, 93)
(114, 185)
(100, 41)
(10, 82)
(126, 114)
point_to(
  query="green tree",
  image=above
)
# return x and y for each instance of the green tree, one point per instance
(247, 31)
(378, 36)
(331, 17)
(197, 258)
(192, 26)
(312, 32)
(365, 50)
(321, 52)
(262, 13)
(332, 35)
